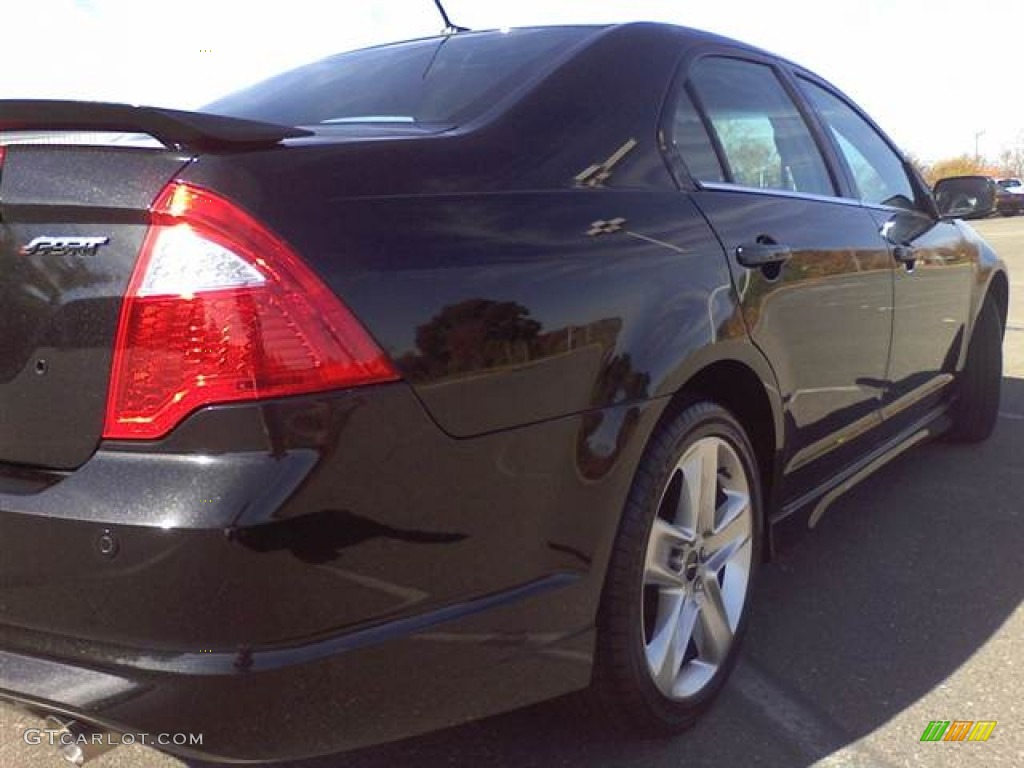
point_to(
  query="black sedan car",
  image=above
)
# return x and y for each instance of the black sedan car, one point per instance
(436, 379)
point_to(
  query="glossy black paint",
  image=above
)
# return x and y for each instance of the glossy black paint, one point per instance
(832, 372)
(932, 299)
(260, 577)
(550, 284)
(195, 130)
(59, 311)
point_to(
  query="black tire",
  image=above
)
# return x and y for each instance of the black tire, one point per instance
(623, 686)
(977, 405)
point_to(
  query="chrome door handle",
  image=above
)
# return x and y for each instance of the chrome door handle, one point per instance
(905, 254)
(755, 255)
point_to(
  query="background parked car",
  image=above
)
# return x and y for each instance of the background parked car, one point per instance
(1008, 202)
(1009, 196)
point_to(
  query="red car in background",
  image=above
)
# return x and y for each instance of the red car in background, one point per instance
(1009, 197)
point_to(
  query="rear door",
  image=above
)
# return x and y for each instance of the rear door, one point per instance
(819, 306)
(934, 262)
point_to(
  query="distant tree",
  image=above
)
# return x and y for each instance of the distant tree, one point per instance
(754, 158)
(964, 165)
(922, 167)
(1011, 159)
(474, 334)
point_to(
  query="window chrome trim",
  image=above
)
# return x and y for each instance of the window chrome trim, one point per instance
(716, 186)
(719, 186)
(896, 209)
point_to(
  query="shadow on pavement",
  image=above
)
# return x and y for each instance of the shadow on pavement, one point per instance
(906, 578)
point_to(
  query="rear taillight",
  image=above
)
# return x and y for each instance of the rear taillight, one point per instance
(221, 310)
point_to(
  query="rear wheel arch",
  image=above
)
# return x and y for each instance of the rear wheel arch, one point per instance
(735, 376)
(641, 680)
(741, 390)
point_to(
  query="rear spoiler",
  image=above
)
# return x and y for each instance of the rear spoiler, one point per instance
(174, 128)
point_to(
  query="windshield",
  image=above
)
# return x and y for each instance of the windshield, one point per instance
(446, 80)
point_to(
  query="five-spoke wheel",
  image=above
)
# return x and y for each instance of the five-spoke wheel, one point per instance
(678, 586)
(697, 568)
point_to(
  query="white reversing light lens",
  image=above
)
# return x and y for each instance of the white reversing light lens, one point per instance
(183, 263)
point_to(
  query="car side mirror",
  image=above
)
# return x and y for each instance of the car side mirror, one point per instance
(965, 197)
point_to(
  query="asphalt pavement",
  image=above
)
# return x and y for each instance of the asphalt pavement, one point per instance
(903, 607)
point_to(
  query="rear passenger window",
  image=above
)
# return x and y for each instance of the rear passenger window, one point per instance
(877, 169)
(765, 141)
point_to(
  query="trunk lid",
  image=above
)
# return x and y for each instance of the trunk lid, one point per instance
(72, 221)
(74, 212)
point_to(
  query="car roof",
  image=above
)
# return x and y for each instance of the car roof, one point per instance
(686, 35)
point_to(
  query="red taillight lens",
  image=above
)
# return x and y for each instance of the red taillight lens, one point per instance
(221, 310)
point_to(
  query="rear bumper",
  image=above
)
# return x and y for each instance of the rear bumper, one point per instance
(347, 691)
(312, 575)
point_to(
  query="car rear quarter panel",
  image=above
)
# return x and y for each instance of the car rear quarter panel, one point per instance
(503, 310)
(539, 264)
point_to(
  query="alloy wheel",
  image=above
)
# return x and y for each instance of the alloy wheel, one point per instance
(697, 568)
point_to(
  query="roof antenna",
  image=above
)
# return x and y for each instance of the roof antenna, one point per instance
(449, 28)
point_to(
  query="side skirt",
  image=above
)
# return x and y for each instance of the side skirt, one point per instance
(806, 512)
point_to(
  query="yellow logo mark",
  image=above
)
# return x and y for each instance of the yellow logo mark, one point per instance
(982, 730)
